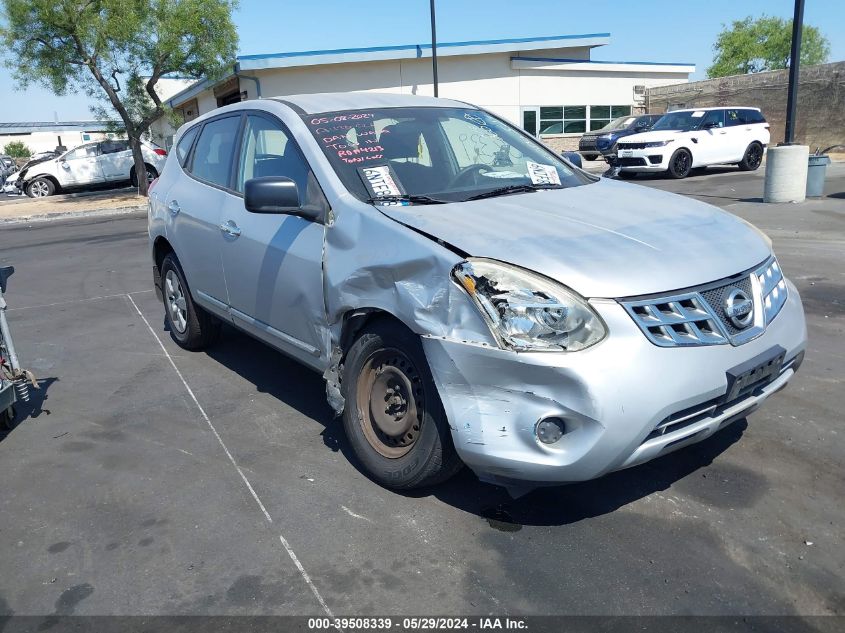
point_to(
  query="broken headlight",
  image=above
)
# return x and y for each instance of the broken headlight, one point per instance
(528, 312)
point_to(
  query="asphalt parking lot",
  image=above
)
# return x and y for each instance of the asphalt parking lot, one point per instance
(150, 480)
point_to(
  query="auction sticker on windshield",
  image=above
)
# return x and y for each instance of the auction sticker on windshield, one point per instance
(542, 174)
(380, 182)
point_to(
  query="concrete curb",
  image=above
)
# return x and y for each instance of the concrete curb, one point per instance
(69, 215)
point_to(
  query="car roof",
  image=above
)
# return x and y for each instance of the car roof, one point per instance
(708, 109)
(333, 101)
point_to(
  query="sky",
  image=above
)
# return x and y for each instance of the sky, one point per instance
(641, 30)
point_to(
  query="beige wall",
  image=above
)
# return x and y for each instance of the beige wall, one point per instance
(47, 141)
(821, 100)
(488, 80)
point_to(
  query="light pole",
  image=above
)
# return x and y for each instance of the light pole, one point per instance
(794, 63)
(433, 46)
(787, 163)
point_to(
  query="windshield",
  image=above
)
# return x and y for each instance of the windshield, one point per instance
(445, 154)
(618, 124)
(681, 121)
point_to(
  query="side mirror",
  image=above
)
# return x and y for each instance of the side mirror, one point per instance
(573, 157)
(710, 125)
(276, 194)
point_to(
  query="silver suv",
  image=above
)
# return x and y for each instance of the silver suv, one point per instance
(468, 296)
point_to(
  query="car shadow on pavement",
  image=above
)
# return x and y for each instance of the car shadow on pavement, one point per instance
(34, 408)
(571, 503)
(289, 382)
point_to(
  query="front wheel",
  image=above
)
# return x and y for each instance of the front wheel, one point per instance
(680, 164)
(393, 417)
(40, 188)
(752, 158)
(190, 326)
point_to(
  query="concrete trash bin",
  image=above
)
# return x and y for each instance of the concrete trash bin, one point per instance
(816, 170)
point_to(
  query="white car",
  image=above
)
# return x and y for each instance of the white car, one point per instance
(684, 140)
(90, 164)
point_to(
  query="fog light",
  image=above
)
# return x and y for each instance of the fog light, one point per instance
(550, 430)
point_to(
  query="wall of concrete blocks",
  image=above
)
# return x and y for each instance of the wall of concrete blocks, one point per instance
(821, 100)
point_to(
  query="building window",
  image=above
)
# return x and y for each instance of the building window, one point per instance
(563, 120)
(554, 120)
(529, 121)
(602, 115)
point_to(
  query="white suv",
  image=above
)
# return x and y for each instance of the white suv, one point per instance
(684, 140)
(90, 164)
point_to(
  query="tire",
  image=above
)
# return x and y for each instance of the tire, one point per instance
(405, 442)
(40, 188)
(152, 174)
(680, 164)
(589, 156)
(190, 326)
(752, 158)
(627, 175)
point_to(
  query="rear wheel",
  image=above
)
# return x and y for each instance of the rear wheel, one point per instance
(393, 416)
(40, 188)
(152, 174)
(190, 326)
(680, 164)
(752, 158)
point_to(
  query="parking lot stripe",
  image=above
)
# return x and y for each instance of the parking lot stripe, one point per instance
(62, 303)
(255, 496)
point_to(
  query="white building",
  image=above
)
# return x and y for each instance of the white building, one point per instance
(548, 85)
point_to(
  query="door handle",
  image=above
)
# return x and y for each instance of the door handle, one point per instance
(174, 208)
(230, 228)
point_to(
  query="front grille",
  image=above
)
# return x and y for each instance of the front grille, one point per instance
(632, 145)
(632, 162)
(677, 321)
(697, 316)
(715, 297)
(587, 142)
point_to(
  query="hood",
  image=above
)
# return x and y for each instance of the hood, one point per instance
(653, 135)
(606, 239)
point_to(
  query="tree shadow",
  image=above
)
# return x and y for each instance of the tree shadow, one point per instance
(32, 409)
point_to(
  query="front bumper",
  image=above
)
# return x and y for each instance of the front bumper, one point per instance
(612, 397)
(648, 159)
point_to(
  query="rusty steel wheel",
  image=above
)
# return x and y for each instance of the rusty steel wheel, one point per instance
(391, 401)
(393, 417)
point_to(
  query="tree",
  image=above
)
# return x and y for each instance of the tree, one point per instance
(118, 50)
(752, 46)
(17, 149)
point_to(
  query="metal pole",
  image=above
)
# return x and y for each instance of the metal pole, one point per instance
(433, 47)
(794, 63)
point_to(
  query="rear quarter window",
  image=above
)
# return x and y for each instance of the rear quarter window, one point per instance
(185, 143)
(754, 116)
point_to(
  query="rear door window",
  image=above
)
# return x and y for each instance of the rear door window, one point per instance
(212, 160)
(113, 147)
(735, 117)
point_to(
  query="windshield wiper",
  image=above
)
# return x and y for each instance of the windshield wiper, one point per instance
(413, 199)
(501, 191)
